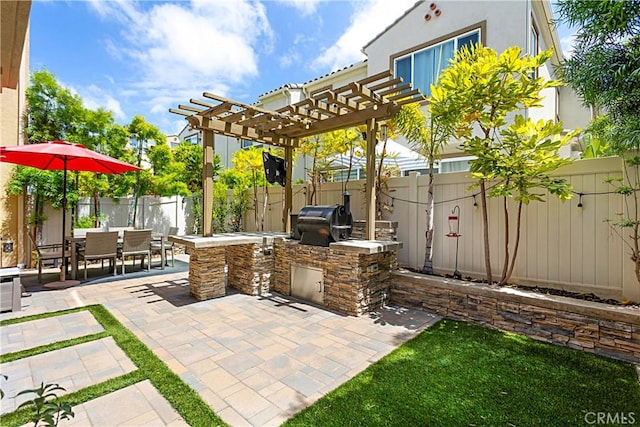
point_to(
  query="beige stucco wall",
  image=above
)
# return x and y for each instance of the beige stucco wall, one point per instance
(506, 22)
(572, 112)
(12, 104)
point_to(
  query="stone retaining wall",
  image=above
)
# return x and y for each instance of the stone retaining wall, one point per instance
(597, 328)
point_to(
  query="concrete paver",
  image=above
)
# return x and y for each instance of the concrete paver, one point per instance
(22, 336)
(137, 405)
(73, 368)
(254, 360)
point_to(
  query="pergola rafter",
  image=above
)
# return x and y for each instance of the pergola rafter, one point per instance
(366, 101)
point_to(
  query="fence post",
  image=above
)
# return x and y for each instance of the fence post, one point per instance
(414, 222)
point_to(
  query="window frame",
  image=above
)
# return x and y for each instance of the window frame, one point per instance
(193, 139)
(478, 26)
(534, 34)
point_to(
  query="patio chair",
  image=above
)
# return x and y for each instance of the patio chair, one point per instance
(51, 252)
(100, 245)
(158, 246)
(136, 242)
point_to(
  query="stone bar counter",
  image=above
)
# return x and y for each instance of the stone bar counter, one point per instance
(249, 257)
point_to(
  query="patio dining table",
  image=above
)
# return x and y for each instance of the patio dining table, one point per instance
(77, 242)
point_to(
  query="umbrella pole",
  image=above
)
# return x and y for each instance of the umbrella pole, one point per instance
(63, 282)
(63, 269)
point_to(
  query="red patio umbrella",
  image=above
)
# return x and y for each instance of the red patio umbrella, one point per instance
(62, 155)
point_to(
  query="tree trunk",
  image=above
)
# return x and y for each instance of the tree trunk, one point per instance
(428, 253)
(378, 190)
(485, 225)
(264, 206)
(515, 246)
(505, 264)
(314, 177)
(350, 167)
(255, 201)
(632, 179)
(96, 210)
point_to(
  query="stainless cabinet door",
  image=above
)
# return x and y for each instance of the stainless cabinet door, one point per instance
(307, 283)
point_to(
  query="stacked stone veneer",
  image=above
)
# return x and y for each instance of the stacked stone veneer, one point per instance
(206, 272)
(250, 268)
(354, 282)
(385, 230)
(593, 327)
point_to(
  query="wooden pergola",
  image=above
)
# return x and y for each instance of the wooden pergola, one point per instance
(367, 101)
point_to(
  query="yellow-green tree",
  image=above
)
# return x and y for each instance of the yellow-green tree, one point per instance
(323, 150)
(429, 136)
(142, 132)
(477, 92)
(250, 162)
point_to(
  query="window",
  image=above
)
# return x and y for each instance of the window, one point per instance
(455, 164)
(136, 144)
(245, 143)
(192, 139)
(422, 68)
(534, 48)
(420, 171)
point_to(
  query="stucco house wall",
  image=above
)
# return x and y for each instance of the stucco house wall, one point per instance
(15, 79)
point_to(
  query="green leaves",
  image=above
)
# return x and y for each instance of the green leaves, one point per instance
(48, 409)
(481, 87)
(479, 90)
(603, 69)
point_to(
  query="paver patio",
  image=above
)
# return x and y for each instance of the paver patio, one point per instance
(255, 360)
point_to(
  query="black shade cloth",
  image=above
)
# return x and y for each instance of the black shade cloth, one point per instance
(274, 168)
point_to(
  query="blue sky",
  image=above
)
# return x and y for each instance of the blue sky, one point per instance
(143, 57)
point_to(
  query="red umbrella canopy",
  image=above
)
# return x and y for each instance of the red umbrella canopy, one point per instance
(52, 155)
(62, 155)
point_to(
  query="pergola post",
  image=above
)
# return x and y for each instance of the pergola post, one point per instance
(288, 193)
(207, 182)
(370, 227)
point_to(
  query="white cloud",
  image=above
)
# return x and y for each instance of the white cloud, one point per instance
(176, 126)
(305, 7)
(185, 47)
(369, 18)
(94, 97)
(566, 43)
(288, 59)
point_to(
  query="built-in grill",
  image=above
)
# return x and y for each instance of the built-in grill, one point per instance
(321, 225)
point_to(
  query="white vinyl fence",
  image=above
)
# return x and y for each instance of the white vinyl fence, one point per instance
(562, 245)
(156, 213)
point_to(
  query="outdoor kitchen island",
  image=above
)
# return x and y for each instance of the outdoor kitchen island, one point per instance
(349, 276)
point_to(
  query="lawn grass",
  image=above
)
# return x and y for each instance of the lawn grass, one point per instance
(457, 374)
(183, 398)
